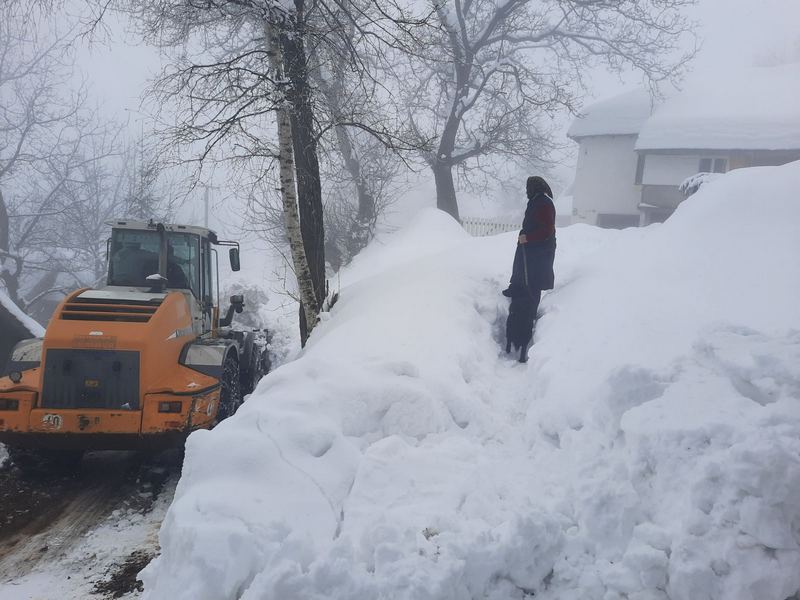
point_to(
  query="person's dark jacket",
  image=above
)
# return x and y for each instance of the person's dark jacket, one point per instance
(539, 229)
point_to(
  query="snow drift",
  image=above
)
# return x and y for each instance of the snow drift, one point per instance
(650, 449)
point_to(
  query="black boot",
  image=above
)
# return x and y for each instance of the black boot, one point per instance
(514, 290)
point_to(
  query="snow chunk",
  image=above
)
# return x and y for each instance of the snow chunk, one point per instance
(32, 326)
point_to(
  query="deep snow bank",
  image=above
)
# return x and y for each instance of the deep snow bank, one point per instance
(650, 449)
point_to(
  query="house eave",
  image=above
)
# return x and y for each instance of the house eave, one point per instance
(732, 151)
(578, 138)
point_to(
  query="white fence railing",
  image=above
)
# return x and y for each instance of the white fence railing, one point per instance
(478, 227)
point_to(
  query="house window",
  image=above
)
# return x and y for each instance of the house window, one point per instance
(639, 170)
(713, 165)
(617, 221)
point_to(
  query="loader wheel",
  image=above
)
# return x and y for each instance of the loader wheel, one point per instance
(230, 397)
(259, 366)
(31, 460)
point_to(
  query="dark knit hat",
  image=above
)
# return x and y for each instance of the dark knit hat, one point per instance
(537, 185)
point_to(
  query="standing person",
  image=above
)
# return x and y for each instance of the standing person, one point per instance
(532, 271)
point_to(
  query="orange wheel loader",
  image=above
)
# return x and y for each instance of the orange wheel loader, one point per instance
(138, 363)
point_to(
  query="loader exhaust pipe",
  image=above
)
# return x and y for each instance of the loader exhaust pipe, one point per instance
(162, 251)
(159, 280)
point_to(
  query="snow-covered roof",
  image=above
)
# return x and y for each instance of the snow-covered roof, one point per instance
(755, 108)
(32, 326)
(620, 115)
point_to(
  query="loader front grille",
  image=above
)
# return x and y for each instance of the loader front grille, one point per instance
(80, 309)
(91, 379)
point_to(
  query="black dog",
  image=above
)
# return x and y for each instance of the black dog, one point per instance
(519, 325)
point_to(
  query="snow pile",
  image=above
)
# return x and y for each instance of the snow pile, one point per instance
(650, 449)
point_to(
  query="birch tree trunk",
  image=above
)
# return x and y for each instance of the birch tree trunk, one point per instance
(309, 305)
(307, 175)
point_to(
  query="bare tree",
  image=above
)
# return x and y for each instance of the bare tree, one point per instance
(112, 182)
(360, 186)
(43, 131)
(227, 96)
(494, 68)
(363, 149)
(63, 169)
(309, 301)
(228, 90)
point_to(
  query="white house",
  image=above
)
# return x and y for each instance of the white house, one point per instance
(633, 154)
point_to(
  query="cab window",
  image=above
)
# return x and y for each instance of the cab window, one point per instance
(183, 262)
(134, 256)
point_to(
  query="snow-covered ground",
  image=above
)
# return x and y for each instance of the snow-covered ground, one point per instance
(88, 537)
(76, 573)
(650, 449)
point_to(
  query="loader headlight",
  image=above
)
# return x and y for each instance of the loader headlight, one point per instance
(9, 404)
(170, 406)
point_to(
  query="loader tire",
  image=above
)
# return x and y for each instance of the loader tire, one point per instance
(259, 366)
(230, 396)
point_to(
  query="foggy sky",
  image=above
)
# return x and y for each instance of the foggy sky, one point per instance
(733, 32)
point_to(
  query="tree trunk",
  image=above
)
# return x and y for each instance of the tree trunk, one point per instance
(442, 164)
(309, 303)
(361, 228)
(8, 274)
(445, 189)
(309, 186)
(5, 241)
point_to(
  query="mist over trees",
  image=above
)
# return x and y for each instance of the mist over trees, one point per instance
(316, 108)
(485, 79)
(64, 169)
(249, 92)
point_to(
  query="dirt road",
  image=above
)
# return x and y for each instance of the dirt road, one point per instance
(91, 530)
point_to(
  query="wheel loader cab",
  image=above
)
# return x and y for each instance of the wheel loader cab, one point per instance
(159, 258)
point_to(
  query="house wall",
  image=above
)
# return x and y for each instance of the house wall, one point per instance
(662, 196)
(672, 169)
(763, 158)
(605, 178)
(606, 192)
